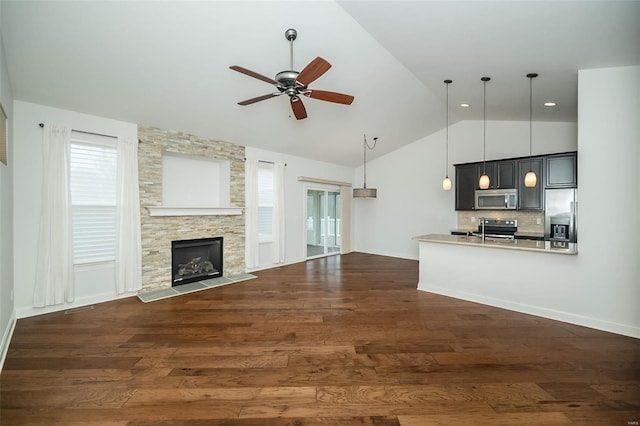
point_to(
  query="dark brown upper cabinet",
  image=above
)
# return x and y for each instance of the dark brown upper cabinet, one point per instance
(561, 171)
(553, 171)
(502, 174)
(530, 198)
(466, 182)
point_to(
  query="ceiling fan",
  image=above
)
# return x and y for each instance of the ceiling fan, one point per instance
(295, 84)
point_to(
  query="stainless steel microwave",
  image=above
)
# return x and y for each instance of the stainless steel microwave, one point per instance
(496, 199)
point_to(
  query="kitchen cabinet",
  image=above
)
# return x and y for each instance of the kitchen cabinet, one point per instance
(502, 174)
(505, 174)
(553, 171)
(466, 182)
(561, 171)
(530, 198)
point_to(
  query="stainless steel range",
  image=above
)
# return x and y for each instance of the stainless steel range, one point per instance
(497, 228)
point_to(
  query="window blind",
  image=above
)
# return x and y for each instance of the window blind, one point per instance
(265, 204)
(93, 199)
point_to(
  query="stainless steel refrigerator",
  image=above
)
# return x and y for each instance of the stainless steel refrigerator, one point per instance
(560, 221)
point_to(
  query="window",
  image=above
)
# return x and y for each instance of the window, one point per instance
(265, 203)
(93, 197)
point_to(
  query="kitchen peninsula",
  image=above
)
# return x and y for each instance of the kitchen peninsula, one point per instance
(522, 275)
(509, 244)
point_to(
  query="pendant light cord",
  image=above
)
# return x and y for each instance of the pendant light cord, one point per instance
(531, 76)
(446, 165)
(484, 128)
(366, 145)
(530, 113)
(365, 161)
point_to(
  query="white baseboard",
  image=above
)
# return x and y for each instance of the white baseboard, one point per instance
(6, 338)
(30, 311)
(596, 323)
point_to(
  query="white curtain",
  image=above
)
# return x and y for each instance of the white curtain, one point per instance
(278, 213)
(129, 245)
(54, 258)
(345, 219)
(251, 213)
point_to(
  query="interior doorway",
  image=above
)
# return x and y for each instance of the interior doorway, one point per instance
(323, 224)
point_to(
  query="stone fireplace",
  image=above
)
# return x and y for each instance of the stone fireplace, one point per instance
(159, 231)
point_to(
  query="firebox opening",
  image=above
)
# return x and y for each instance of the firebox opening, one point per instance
(195, 260)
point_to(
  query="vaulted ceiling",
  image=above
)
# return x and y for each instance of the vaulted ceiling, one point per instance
(166, 64)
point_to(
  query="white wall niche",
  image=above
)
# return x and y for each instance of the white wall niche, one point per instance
(198, 182)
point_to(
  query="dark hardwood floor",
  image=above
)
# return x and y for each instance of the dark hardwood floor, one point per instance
(334, 341)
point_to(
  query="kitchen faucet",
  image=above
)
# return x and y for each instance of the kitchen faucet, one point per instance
(482, 223)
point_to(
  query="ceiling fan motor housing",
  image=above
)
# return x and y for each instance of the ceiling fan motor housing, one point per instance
(287, 80)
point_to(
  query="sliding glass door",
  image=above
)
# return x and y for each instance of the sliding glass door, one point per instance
(323, 222)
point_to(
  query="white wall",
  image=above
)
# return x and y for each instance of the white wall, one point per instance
(410, 199)
(7, 309)
(295, 197)
(609, 194)
(92, 284)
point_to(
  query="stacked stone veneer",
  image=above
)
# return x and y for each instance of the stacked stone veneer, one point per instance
(159, 231)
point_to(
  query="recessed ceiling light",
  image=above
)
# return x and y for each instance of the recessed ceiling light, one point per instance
(550, 104)
(464, 105)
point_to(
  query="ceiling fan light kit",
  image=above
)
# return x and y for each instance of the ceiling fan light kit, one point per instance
(295, 84)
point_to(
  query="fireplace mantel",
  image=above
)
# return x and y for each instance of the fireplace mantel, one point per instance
(194, 211)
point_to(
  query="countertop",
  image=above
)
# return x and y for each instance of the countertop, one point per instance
(518, 244)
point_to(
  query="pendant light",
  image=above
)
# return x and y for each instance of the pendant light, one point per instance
(446, 182)
(530, 178)
(484, 179)
(365, 192)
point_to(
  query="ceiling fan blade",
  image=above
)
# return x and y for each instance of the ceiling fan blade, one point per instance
(259, 98)
(254, 74)
(313, 71)
(298, 108)
(323, 95)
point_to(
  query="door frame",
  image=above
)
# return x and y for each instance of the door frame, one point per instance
(316, 187)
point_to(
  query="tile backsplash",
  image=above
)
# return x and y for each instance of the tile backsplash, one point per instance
(527, 221)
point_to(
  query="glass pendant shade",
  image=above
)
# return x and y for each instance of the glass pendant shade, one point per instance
(446, 184)
(530, 179)
(484, 182)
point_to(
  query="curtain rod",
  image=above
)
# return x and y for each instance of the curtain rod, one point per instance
(91, 133)
(265, 161)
